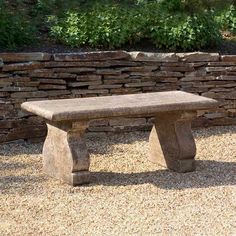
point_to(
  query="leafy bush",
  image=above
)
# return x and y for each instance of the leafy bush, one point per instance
(113, 26)
(186, 32)
(14, 29)
(175, 24)
(107, 26)
(227, 19)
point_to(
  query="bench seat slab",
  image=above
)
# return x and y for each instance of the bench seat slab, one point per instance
(171, 142)
(65, 155)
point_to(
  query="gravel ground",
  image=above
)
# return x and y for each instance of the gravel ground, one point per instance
(128, 196)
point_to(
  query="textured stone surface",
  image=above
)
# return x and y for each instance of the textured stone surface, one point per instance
(198, 56)
(65, 154)
(157, 57)
(28, 78)
(18, 57)
(125, 105)
(171, 141)
(228, 58)
(91, 56)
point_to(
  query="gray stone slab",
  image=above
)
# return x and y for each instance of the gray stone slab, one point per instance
(116, 106)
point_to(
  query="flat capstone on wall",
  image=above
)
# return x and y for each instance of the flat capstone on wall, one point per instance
(38, 76)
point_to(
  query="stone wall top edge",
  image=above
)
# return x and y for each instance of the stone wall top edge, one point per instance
(196, 56)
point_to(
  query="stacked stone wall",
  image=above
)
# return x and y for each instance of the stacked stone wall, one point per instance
(38, 76)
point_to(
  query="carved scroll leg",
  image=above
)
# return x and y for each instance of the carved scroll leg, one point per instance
(65, 154)
(171, 142)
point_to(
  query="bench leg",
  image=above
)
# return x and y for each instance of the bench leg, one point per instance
(65, 154)
(171, 142)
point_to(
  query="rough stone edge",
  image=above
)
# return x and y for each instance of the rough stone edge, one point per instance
(92, 56)
(25, 57)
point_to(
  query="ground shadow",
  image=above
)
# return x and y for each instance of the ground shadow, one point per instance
(20, 184)
(208, 174)
(20, 148)
(213, 131)
(12, 166)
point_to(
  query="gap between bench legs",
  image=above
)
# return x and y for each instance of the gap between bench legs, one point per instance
(171, 141)
(65, 155)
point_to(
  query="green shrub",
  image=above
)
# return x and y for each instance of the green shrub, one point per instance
(227, 19)
(106, 26)
(112, 26)
(186, 32)
(14, 29)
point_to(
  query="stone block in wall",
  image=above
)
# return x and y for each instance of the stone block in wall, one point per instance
(198, 57)
(112, 77)
(82, 84)
(194, 90)
(96, 64)
(219, 89)
(216, 69)
(91, 56)
(121, 81)
(215, 115)
(105, 86)
(168, 74)
(21, 57)
(51, 81)
(177, 68)
(160, 88)
(232, 112)
(145, 127)
(57, 93)
(226, 77)
(87, 91)
(99, 122)
(9, 124)
(4, 94)
(218, 83)
(36, 94)
(157, 57)
(22, 66)
(101, 129)
(74, 70)
(27, 84)
(18, 89)
(224, 58)
(24, 133)
(4, 75)
(42, 73)
(6, 124)
(127, 121)
(16, 79)
(51, 87)
(142, 84)
(223, 121)
(165, 80)
(140, 68)
(230, 95)
(111, 71)
(125, 91)
(221, 63)
(86, 78)
(230, 104)
(5, 83)
(197, 73)
(200, 78)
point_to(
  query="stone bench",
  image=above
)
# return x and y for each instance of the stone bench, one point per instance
(65, 155)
